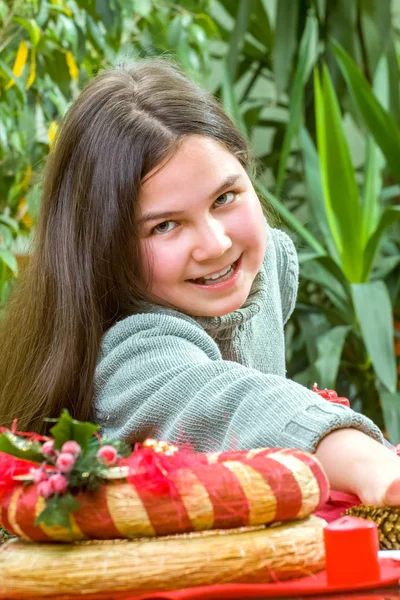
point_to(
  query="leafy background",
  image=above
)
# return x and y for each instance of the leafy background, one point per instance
(313, 84)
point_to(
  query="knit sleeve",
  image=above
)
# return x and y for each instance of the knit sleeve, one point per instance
(162, 376)
(288, 271)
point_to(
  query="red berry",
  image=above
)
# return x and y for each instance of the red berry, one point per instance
(58, 483)
(44, 489)
(71, 447)
(65, 462)
(38, 475)
(107, 455)
(48, 448)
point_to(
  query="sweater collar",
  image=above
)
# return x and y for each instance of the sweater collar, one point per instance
(249, 309)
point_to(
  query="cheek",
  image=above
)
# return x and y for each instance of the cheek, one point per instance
(165, 264)
(250, 225)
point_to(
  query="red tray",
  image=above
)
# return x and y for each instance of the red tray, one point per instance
(306, 586)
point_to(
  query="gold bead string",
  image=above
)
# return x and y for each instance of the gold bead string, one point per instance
(160, 447)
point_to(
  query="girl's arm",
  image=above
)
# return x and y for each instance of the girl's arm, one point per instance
(162, 376)
(356, 463)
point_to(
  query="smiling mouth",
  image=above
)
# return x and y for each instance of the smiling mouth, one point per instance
(213, 279)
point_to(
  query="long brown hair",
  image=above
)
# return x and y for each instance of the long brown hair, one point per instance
(84, 273)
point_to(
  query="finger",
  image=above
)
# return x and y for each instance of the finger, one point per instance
(392, 494)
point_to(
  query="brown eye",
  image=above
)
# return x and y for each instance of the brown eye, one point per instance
(225, 199)
(164, 227)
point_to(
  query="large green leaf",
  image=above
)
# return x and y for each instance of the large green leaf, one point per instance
(313, 326)
(324, 271)
(31, 27)
(11, 223)
(388, 218)
(9, 259)
(315, 194)
(342, 18)
(338, 179)
(379, 122)
(375, 317)
(393, 77)
(230, 103)
(58, 511)
(20, 447)
(285, 42)
(385, 266)
(68, 428)
(260, 26)
(307, 58)
(372, 190)
(330, 348)
(290, 218)
(391, 414)
(375, 24)
(237, 37)
(389, 192)
(6, 236)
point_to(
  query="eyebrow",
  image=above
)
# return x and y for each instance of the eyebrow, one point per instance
(229, 181)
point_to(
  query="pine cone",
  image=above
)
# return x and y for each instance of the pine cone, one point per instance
(388, 522)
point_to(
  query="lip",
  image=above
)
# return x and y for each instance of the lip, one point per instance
(218, 271)
(223, 285)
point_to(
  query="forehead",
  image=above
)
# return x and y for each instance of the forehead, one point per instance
(199, 164)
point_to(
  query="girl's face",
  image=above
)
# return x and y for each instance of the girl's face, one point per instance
(201, 229)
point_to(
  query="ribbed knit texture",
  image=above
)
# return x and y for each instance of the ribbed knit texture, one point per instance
(216, 383)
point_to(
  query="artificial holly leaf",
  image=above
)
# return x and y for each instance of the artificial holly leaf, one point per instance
(88, 473)
(68, 428)
(20, 447)
(58, 512)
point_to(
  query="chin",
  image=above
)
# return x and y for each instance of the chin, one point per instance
(228, 311)
(220, 312)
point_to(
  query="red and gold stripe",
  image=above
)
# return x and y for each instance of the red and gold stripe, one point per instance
(225, 490)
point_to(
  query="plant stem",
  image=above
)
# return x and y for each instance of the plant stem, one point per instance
(366, 70)
(252, 82)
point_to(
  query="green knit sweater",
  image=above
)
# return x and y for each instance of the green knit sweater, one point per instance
(217, 383)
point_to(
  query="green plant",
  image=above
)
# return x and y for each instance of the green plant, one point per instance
(9, 228)
(346, 322)
(342, 330)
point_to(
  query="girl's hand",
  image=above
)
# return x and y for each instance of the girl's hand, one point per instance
(357, 464)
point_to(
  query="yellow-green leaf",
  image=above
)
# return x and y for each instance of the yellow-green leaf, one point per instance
(72, 66)
(380, 122)
(375, 316)
(32, 70)
(52, 131)
(31, 27)
(339, 183)
(9, 259)
(20, 61)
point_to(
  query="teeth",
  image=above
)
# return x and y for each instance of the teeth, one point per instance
(220, 279)
(220, 274)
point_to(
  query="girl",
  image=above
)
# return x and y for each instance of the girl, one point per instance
(157, 293)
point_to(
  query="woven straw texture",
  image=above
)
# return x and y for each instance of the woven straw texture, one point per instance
(258, 555)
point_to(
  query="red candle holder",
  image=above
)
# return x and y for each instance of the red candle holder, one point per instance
(351, 548)
(330, 395)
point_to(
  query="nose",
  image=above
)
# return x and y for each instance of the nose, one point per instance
(211, 241)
